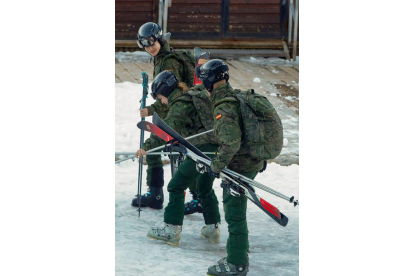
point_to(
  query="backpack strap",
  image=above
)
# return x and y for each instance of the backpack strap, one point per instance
(226, 99)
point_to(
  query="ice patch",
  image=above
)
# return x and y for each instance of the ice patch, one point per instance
(275, 72)
(256, 80)
(273, 94)
(137, 56)
(285, 142)
(291, 98)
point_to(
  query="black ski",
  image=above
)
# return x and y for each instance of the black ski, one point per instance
(241, 186)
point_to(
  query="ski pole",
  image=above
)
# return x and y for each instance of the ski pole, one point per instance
(141, 141)
(151, 153)
(161, 147)
(160, 153)
(240, 177)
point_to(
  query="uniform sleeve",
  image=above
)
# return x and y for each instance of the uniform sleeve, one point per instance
(177, 119)
(228, 132)
(152, 142)
(175, 67)
(157, 107)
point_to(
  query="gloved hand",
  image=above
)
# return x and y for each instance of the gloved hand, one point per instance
(211, 173)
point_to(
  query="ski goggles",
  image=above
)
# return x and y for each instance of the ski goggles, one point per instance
(203, 74)
(146, 41)
(210, 74)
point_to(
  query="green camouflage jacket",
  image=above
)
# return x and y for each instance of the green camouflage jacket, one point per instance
(160, 64)
(228, 130)
(183, 118)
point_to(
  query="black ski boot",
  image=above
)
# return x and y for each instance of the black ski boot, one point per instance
(154, 198)
(194, 206)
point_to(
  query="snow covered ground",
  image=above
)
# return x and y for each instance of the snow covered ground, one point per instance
(274, 249)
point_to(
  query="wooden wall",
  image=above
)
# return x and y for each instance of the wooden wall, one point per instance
(254, 18)
(130, 15)
(206, 19)
(195, 18)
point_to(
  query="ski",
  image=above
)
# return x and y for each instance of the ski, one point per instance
(144, 125)
(234, 183)
(154, 129)
(199, 54)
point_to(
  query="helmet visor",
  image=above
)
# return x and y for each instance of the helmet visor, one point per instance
(204, 74)
(146, 41)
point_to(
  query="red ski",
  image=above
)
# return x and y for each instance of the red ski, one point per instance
(144, 125)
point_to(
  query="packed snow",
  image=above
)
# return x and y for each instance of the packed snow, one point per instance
(290, 98)
(285, 142)
(274, 250)
(137, 56)
(256, 80)
(270, 61)
(273, 94)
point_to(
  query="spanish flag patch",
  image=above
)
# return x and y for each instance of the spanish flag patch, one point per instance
(218, 116)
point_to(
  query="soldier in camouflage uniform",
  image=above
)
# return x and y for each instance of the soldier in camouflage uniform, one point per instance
(190, 112)
(233, 154)
(151, 38)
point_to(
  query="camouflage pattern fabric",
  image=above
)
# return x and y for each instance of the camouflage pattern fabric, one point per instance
(163, 61)
(228, 129)
(184, 118)
(204, 107)
(187, 60)
(261, 125)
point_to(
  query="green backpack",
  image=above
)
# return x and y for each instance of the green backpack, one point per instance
(204, 107)
(262, 128)
(186, 57)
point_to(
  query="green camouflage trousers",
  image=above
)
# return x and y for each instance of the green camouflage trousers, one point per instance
(235, 215)
(185, 175)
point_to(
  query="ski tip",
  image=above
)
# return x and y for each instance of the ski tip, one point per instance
(284, 220)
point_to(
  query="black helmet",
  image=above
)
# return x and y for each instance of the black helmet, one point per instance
(148, 34)
(163, 84)
(211, 72)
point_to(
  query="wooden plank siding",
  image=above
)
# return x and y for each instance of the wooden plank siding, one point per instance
(206, 20)
(130, 15)
(195, 19)
(254, 18)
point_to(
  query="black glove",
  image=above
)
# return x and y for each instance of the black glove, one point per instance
(211, 173)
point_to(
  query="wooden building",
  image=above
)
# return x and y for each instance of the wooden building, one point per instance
(207, 23)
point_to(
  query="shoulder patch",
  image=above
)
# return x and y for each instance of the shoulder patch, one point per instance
(218, 116)
(168, 70)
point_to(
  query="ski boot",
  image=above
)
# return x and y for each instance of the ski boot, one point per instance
(194, 206)
(223, 268)
(169, 233)
(154, 198)
(211, 232)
